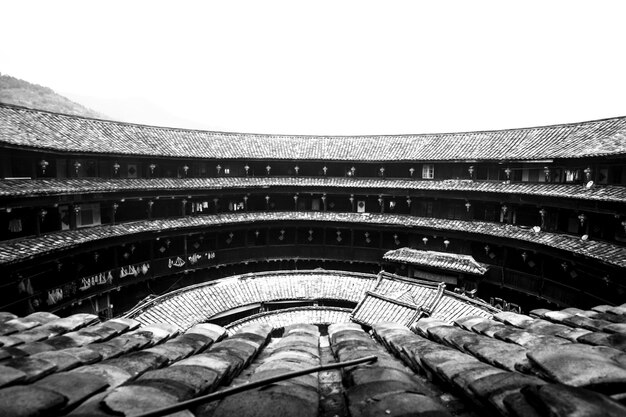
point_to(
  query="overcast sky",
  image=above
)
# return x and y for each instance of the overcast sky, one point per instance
(325, 67)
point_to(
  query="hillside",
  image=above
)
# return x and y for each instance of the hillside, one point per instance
(23, 93)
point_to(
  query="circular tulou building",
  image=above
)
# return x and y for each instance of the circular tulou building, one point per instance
(145, 266)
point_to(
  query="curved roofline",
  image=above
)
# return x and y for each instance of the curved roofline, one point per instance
(143, 306)
(55, 187)
(182, 129)
(22, 250)
(27, 128)
(269, 315)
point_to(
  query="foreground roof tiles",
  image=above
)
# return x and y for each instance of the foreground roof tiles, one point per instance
(23, 249)
(295, 396)
(43, 130)
(503, 378)
(441, 368)
(71, 186)
(440, 260)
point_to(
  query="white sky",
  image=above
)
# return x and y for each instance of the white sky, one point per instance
(325, 67)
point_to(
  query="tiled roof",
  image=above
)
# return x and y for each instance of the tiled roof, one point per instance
(558, 363)
(119, 368)
(298, 349)
(375, 307)
(63, 186)
(195, 304)
(49, 131)
(440, 260)
(520, 365)
(23, 249)
(400, 300)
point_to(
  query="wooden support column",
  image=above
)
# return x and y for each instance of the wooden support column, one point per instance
(5, 165)
(505, 256)
(74, 213)
(183, 207)
(352, 232)
(542, 266)
(116, 261)
(38, 220)
(114, 207)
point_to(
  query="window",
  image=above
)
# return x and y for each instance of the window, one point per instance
(429, 209)
(61, 168)
(235, 205)
(571, 175)
(603, 175)
(91, 168)
(89, 215)
(64, 215)
(428, 171)
(131, 171)
(525, 175)
(532, 175)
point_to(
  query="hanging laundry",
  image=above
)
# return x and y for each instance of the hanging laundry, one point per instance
(15, 225)
(54, 296)
(51, 298)
(25, 287)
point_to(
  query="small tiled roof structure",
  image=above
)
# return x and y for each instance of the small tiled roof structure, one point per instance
(37, 129)
(70, 186)
(454, 262)
(22, 249)
(404, 300)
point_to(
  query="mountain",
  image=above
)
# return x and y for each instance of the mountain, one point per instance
(22, 93)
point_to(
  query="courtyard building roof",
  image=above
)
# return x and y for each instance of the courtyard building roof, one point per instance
(440, 260)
